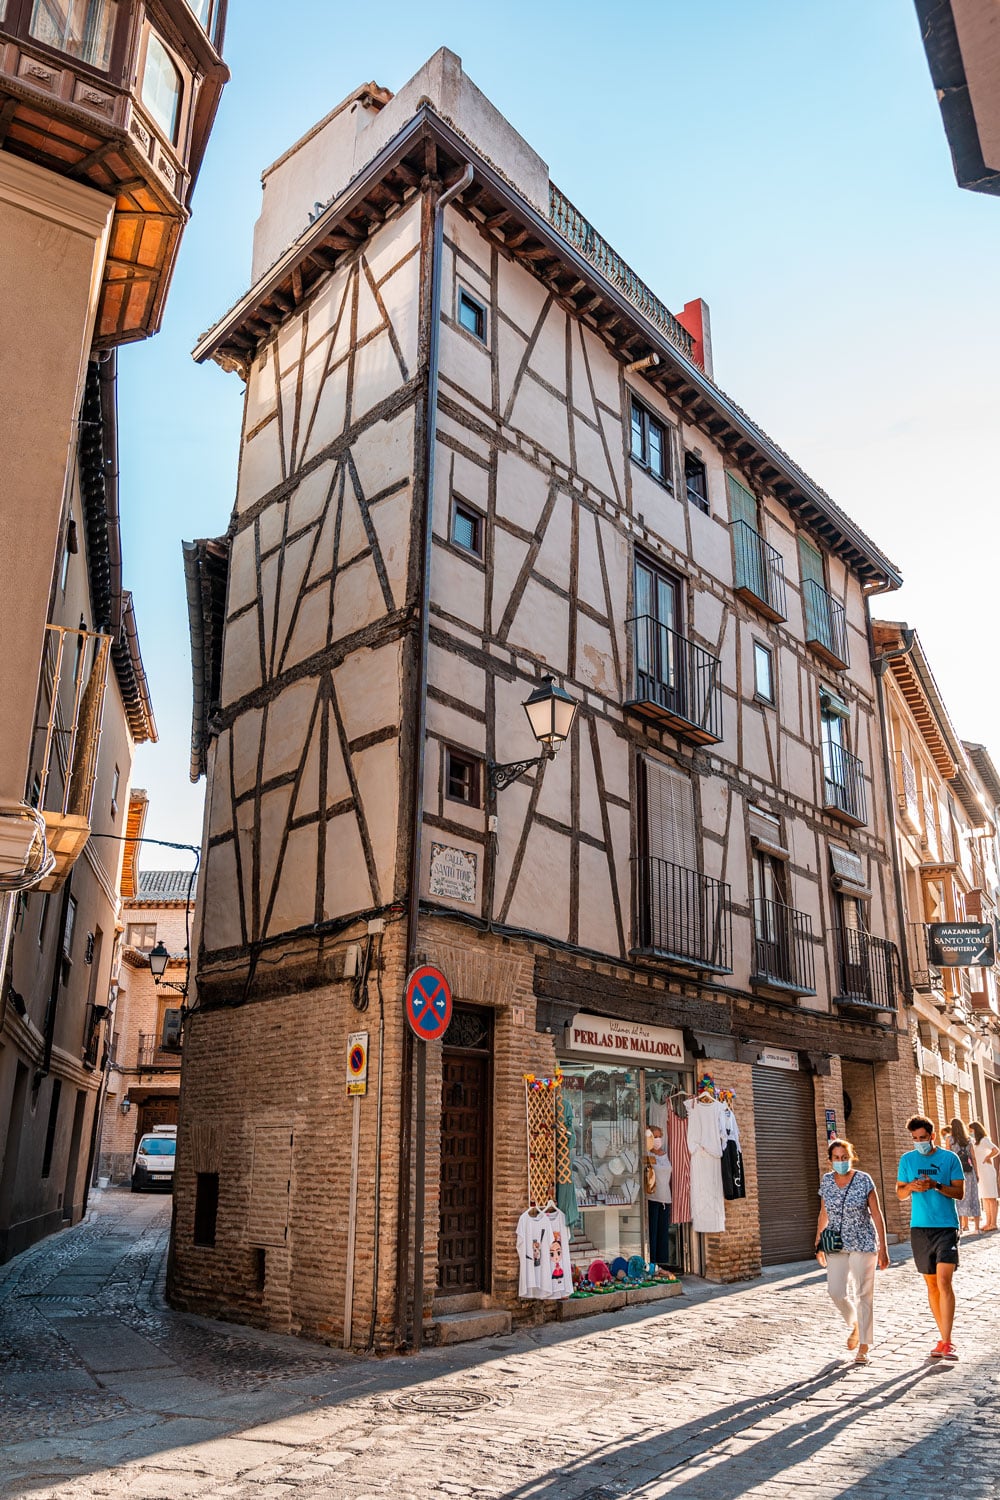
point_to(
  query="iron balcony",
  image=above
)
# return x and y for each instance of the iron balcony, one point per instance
(683, 916)
(826, 624)
(782, 948)
(675, 681)
(759, 572)
(867, 969)
(844, 785)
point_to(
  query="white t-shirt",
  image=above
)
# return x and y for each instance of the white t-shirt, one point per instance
(543, 1255)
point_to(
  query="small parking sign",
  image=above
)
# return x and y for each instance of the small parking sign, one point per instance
(357, 1063)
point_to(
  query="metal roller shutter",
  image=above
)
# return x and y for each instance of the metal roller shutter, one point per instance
(787, 1171)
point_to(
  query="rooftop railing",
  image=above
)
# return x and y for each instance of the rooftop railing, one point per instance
(582, 235)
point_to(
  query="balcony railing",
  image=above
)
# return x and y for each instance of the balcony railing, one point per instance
(927, 977)
(783, 947)
(582, 235)
(67, 738)
(676, 681)
(867, 969)
(844, 784)
(683, 915)
(152, 1054)
(760, 572)
(826, 624)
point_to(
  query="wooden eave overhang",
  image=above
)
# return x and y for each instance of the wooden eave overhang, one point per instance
(206, 574)
(428, 147)
(135, 822)
(988, 774)
(922, 696)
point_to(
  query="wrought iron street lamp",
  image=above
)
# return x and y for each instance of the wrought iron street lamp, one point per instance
(158, 960)
(551, 712)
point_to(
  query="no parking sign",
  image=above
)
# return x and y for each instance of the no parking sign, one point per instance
(357, 1063)
(427, 1003)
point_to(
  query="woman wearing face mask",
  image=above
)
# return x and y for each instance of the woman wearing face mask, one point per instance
(849, 1207)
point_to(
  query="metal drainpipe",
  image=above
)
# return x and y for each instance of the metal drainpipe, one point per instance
(413, 901)
(880, 662)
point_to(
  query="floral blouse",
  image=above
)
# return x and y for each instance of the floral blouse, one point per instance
(847, 1210)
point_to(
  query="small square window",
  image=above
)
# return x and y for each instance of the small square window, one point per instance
(763, 672)
(461, 778)
(467, 528)
(471, 315)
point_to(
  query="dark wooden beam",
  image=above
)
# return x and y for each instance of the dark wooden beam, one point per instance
(7, 113)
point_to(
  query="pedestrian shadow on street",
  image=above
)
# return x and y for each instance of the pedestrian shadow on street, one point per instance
(670, 1453)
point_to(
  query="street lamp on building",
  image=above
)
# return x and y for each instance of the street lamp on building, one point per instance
(551, 712)
(159, 957)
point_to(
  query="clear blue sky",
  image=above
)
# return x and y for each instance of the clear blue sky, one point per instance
(784, 160)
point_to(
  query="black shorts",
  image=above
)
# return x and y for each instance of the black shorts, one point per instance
(933, 1247)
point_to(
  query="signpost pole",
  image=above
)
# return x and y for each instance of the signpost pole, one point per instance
(418, 1199)
(352, 1221)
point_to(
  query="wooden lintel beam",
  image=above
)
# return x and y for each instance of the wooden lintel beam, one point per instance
(96, 156)
(297, 284)
(497, 221)
(323, 257)
(516, 240)
(283, 301)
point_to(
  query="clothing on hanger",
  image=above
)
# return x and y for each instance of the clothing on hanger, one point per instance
(704, 1138)
(544, 1272)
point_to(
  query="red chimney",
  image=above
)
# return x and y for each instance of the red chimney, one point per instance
(697, 320)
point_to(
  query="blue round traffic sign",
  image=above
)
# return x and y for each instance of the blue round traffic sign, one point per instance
(427, 1003)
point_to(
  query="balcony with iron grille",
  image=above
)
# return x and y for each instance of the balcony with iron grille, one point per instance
(927, 977)
(867, 971)
(759, 572)
(151, 1055)
(844, 785)
(826, 624)
(675, 682)
(683, 916)
(783, 955)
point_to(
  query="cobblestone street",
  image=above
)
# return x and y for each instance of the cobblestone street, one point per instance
(748, 1391)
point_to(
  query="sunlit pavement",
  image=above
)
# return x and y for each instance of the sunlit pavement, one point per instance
(731, 1392)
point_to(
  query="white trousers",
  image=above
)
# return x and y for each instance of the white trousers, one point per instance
(850, 1280)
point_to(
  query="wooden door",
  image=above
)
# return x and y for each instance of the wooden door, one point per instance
(463, 1239)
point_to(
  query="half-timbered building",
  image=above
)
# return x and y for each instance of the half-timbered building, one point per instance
(478, 452)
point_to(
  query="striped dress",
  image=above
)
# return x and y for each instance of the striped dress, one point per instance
(680, 1161)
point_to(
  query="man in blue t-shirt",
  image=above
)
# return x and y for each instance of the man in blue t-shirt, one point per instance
(934, 1181)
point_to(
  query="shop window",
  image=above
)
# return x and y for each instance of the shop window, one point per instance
(696, 481)
(81, 28)
(763, 672)
(650, 444)
(467, 528)
(161, 87)
(206, 1208)
(472, 315)
(461, 777)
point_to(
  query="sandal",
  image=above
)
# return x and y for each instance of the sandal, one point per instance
(853, 1338)
(861, 1358)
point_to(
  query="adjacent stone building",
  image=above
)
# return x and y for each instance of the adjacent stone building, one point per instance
(105, 111)
(478, 452)
(947, 795)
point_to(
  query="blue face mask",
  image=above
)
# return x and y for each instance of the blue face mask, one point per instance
(841, 1166)
(924, 1147)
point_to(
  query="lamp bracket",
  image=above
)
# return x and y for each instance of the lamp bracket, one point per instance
(502, 775)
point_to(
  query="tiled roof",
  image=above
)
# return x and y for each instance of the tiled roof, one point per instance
(166, 885)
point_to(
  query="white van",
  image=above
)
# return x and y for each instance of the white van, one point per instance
(153, 1167)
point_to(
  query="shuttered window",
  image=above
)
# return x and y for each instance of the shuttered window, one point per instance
(787, 1167)
(670, 828)
(742, 504)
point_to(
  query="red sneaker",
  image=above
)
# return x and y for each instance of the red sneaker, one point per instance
(938, 1351)
(948, 1351)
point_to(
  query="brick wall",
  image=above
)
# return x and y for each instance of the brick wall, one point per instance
(735, 1255)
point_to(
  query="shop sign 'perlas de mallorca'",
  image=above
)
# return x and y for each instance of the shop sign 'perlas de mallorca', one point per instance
(624, 1039)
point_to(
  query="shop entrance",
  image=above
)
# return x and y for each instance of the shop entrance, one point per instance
(784, 1112)
(463, 1238)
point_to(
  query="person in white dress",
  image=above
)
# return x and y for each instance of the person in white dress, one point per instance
(986, 1154)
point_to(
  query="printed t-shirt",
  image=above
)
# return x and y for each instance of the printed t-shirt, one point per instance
(543, 1253)
(932, 1210)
